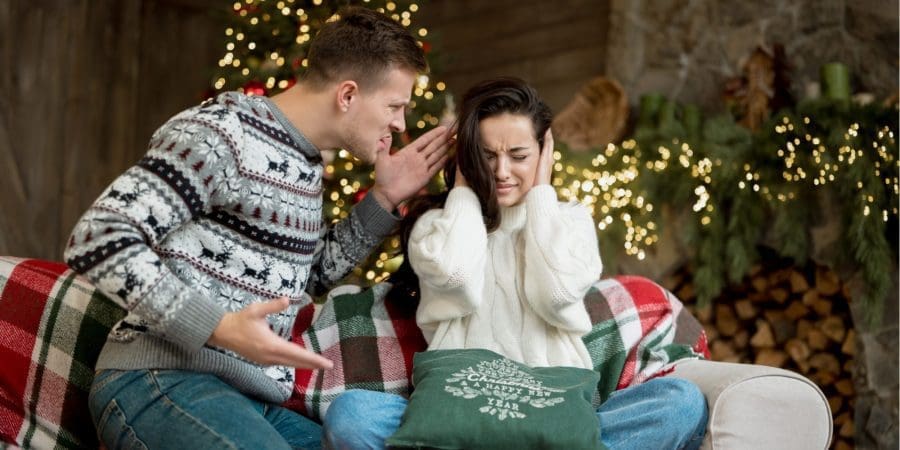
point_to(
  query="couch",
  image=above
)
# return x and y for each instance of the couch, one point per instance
(53, 324)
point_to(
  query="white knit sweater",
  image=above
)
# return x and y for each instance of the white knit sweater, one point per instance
(517, 291)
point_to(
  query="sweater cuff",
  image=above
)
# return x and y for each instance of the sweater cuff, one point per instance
(541, 200)
(193, 316)
(460, 199)
(374, 218)
(195, 324)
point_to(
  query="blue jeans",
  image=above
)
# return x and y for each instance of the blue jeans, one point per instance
(162, 409)
(663, 413)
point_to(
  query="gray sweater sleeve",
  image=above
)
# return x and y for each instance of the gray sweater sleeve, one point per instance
(114, 242)
(346, 243)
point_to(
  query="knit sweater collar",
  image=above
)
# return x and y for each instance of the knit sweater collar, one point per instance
(512, 218)
(303, 144)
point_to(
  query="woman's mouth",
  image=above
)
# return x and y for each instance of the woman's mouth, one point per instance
(505, 188)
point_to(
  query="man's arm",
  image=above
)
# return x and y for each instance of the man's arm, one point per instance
(113, 243)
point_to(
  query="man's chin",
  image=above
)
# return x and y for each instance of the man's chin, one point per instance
(367, 157)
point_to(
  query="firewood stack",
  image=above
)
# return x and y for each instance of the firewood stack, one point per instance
(789, 317)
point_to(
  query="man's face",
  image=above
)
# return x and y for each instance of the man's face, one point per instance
(376, 113)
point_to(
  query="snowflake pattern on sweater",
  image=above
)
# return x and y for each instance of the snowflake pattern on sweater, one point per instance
(224, 210)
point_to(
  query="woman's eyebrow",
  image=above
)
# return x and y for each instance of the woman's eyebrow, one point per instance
(511, 150)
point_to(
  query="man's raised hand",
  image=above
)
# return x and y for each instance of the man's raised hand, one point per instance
(401, 175)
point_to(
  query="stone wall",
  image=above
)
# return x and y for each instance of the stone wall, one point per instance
(687, 49)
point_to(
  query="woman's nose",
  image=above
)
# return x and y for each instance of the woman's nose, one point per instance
(501, 171)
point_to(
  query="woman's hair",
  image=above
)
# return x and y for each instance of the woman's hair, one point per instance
(505, 95)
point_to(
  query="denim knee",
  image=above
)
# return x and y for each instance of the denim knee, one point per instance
(348, 423)
(342, 411)
(686, 395)
(686, 401)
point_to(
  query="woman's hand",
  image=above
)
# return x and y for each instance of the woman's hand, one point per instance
(545, 162)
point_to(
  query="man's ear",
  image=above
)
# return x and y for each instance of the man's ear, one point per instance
(347, 93)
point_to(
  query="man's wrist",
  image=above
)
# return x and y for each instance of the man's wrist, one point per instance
(383, 200)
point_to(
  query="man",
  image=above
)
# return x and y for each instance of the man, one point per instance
(223, 215)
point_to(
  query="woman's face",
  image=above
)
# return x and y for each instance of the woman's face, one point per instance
(513, 153)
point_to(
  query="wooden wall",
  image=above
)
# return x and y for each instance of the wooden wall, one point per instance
(83, 84)
(556, 46)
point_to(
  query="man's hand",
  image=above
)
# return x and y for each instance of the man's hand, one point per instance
(247, 332)
(401, 175)
(544, 173)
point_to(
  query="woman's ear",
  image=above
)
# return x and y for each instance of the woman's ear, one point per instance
(347, 93)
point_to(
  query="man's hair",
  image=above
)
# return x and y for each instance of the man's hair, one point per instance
(362, 45)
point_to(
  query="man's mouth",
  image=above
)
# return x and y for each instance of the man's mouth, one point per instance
(384, 143)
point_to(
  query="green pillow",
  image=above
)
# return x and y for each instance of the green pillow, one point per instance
(475, 398)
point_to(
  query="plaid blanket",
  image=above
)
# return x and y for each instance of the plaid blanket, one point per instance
(53, 324)
(639, 330)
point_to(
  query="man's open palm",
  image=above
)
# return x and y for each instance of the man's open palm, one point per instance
(401, 175)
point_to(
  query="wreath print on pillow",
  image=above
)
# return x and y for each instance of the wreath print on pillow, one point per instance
(478, 399)
(507, 390)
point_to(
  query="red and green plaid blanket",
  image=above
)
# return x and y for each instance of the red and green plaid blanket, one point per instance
(639, 330)
(53, 324)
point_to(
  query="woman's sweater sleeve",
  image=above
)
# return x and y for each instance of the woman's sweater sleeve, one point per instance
(447, 249)
(561, 259)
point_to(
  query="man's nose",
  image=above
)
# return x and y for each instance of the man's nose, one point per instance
(398, 125)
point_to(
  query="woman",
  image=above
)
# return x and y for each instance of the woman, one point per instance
(502, 265)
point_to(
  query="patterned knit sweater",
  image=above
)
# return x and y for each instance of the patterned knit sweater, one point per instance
(519, 290)
(223, 211)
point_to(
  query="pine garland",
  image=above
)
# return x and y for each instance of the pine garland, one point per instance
(730, 189)
(747, 188)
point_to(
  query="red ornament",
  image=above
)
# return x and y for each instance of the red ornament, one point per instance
(207, 94)
(250, 9)
(426, 47)
(359, 195)
(254, 87)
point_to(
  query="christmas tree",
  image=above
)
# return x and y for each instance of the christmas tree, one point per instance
(266, 43)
